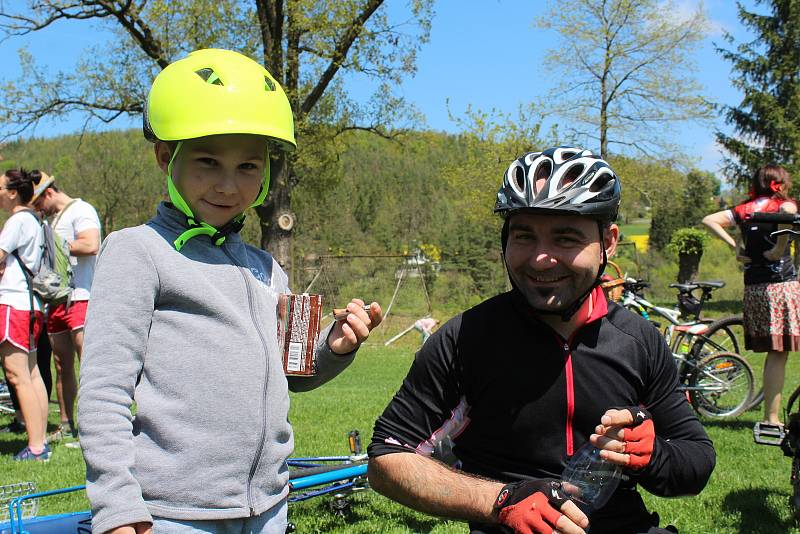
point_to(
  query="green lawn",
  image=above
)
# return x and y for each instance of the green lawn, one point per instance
(747, 493)
(637, 228)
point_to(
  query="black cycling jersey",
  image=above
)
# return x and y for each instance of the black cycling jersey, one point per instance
(516, 401)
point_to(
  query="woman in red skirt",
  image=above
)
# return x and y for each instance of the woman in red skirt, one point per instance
(771, 290)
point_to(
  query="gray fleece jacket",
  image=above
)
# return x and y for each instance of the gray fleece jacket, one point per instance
(190, 337)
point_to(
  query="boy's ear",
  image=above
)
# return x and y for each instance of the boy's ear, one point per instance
(163, 154)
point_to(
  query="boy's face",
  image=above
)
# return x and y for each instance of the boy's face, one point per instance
(219, 176)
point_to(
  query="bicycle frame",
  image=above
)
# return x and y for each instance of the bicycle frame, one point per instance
(631, 299)
(346, 478)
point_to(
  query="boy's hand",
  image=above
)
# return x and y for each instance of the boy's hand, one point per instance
(348, 334)
(136, 528)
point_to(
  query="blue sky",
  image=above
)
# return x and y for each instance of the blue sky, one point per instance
(482, 53)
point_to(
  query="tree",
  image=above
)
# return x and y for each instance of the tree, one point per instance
(625, 71)
(767, 121)
(305, 44)
(113, 171)
(681, 204)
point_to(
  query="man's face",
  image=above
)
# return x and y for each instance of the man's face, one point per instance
(45, 202)
(553, 260)
(219, 176)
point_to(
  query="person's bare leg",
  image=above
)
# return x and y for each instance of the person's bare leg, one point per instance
(17, 368)
(77, 341)
(774, 374)
(66, 383)
(39, 389)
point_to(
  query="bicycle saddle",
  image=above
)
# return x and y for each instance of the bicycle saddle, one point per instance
(712, 284)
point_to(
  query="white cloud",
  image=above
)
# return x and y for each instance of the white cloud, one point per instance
(680, 10)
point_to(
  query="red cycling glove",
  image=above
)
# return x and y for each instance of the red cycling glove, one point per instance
(531, 506)
(639, 438)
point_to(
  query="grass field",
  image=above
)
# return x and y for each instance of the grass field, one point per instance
(636, 228)
(748, 492)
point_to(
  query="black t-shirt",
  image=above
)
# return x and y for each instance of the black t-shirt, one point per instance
(515, 401)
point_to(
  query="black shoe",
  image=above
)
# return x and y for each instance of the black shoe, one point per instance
(14, 427)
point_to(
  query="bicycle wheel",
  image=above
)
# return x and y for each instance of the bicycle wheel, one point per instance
(721, 385)
(727, 335)
(683, 336)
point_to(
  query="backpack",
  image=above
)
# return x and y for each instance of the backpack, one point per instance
(52, 278)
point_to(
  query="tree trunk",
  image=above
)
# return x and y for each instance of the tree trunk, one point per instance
(688, 267)
(275, 239)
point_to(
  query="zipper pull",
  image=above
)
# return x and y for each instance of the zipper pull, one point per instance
(566, 347)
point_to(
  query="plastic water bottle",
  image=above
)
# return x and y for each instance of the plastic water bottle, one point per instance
(589, 479)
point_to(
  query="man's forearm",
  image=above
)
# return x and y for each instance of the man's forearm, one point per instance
(433, 488)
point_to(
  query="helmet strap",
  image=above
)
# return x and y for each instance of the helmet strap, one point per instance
(567, 314)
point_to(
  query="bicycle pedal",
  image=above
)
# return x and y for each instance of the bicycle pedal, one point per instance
(768, 434)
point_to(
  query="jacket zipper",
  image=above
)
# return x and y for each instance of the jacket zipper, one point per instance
(570, 399)
(260, 446)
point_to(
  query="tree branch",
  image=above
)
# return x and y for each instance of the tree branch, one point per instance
(340, 53)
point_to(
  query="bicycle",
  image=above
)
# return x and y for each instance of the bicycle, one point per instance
(309, 477)
(699, 337)
(680, 335)
(6, 406)
(719, 384)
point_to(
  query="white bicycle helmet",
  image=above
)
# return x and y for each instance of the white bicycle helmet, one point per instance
(564, 179)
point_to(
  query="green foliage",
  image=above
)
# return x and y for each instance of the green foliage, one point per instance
(688, 241)
(682, 201)
(114, 171)
(767, 119)
(624, 71)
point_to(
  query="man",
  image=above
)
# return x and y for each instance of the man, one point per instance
(77, 222)
(512, 388)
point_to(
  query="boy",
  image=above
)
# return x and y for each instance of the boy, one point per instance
(183, 321)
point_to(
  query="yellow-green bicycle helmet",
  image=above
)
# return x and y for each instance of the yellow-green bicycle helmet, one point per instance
(213, 92)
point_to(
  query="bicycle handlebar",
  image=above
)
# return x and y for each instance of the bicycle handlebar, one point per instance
(780, 218)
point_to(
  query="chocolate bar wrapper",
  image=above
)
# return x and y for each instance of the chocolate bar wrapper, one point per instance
(299, 318)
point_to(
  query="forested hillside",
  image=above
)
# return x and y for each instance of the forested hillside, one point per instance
(368, 195)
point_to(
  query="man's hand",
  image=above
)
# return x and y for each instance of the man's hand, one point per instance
(627, 437)
(539, 506)
(349, 333)
(136, 528)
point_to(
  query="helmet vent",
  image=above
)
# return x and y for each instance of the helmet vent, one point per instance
(601, 182)
(571, 175)
(269, 85)
(518, 175)
(209, 76)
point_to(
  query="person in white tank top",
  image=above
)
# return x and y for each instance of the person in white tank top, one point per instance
(76, 221)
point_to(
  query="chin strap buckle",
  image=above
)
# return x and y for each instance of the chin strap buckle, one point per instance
(217, 235)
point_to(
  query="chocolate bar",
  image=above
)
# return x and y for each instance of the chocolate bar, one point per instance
(299, 318)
